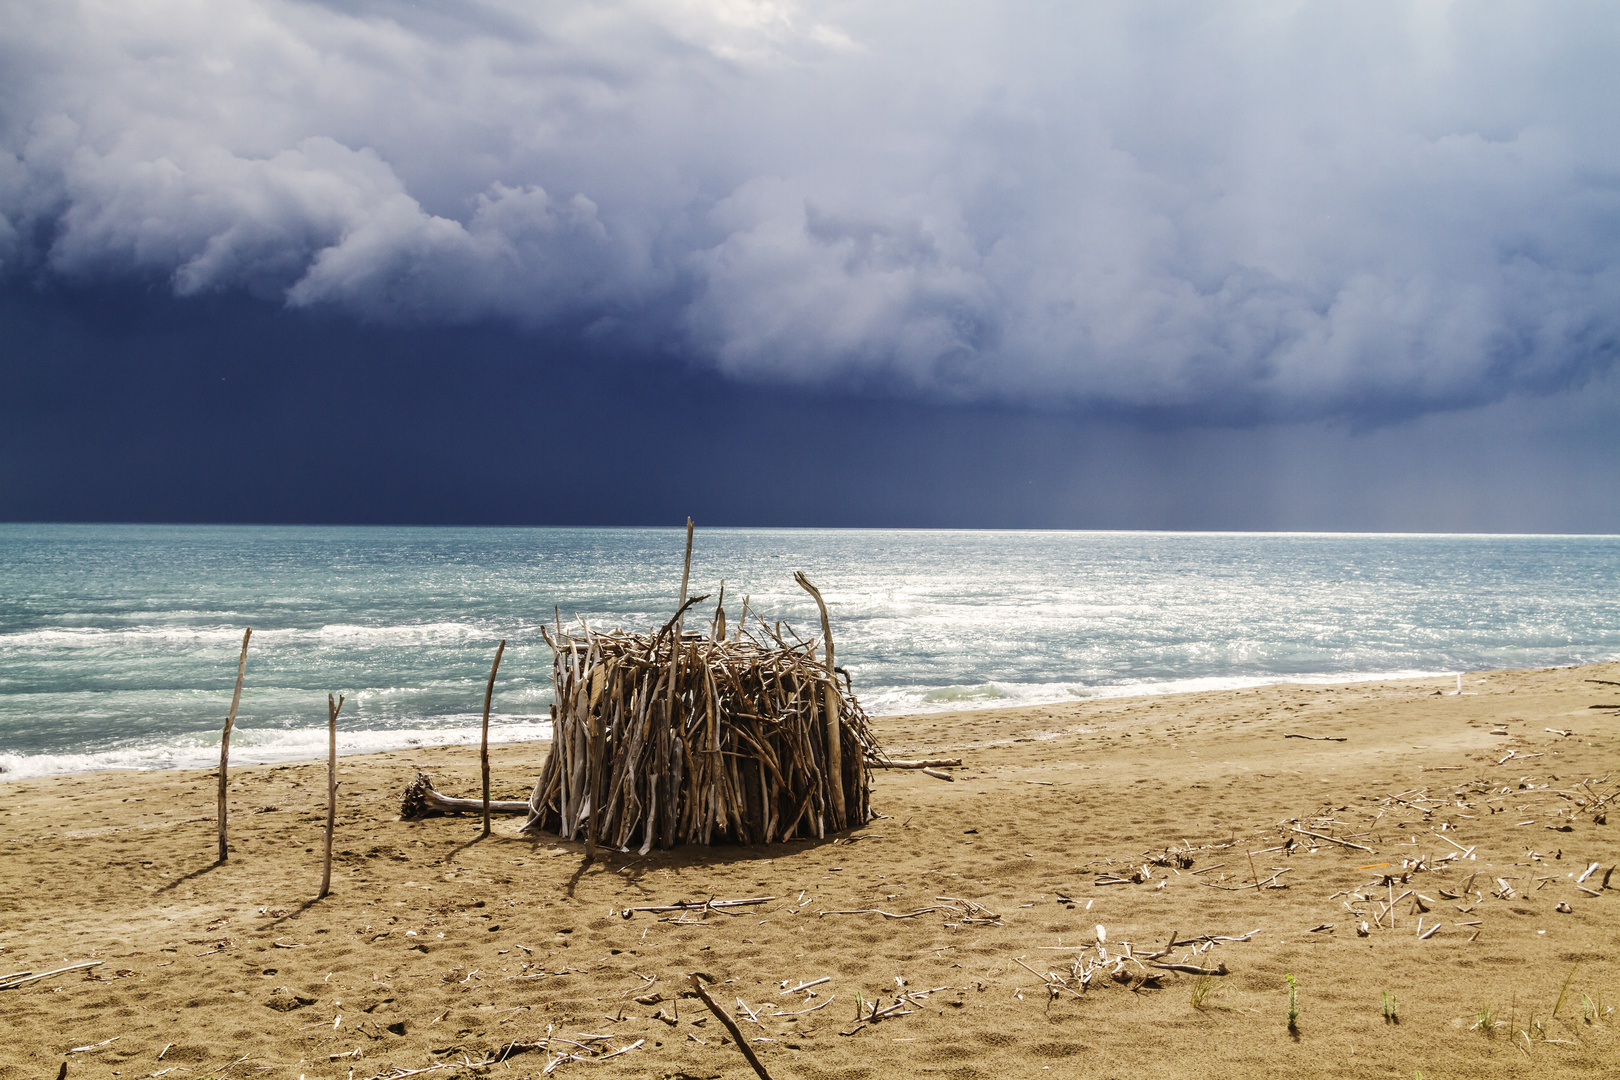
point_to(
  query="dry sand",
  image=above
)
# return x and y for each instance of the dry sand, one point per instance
(437, 947)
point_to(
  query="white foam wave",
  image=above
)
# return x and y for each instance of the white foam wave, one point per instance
(900, 701)
(100, 637)
(410, 634)
(252, 746)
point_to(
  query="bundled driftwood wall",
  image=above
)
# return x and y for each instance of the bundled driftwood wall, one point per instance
(681, 737)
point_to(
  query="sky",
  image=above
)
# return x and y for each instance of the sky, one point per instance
(1210, 265)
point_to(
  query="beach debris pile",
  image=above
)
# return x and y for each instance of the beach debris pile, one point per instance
(1123, 963)
(677, 736)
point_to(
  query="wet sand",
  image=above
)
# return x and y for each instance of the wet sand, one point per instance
(1147, 817)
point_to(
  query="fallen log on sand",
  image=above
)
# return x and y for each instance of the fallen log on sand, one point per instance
(420, 801)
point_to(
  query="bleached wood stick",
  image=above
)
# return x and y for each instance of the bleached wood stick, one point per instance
(420, 799)
(835, 749)
(1334, 840)
(686, 574)
(483, 746)
(47, 974)
(225, 740)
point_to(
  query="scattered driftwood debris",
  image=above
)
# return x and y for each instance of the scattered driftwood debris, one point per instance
(420, 800)
(958, 912)
(583, 1047)
(1128, 967)
(905, 1003)
(1594, 798)
(677, 737)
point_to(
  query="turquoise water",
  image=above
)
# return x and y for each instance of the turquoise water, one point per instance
(118, 644)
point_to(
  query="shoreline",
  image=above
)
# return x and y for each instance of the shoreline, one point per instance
(422, 738)
(436, 946)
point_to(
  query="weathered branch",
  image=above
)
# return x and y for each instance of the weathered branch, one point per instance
(420, 801)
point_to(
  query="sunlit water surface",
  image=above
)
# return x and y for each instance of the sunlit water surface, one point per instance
(118, 644)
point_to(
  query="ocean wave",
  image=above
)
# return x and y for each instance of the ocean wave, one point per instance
(899, 701)
(332, 634)
(257, 746)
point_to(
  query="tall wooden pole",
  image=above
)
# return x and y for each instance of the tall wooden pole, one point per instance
(483, 749)
(225, 741)
(332, 711)
(835, 735)
(686, 574)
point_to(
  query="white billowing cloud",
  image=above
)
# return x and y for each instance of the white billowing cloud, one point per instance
(1235, 209)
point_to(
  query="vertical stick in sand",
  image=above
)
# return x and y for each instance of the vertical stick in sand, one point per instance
(835, 754)
(483, 749)
(225, 740)
(332, 710)
(686, 573)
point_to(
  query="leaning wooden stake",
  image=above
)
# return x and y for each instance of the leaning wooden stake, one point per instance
(483, 749)
(332, 710)
(835, 755)
(731, 1026)
(225, 740)
(686, 574)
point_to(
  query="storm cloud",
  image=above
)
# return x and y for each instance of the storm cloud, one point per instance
(1244, 210)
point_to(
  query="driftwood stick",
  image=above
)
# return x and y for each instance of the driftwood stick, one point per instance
(1190, 969)
(731, 1026)
(483, 746)
(225, 740)
(47, 974)
(1319, 738)
(1335, 840)
(332, 710)
(706, 905)
(420, 800)
(920, 763)
(885, 914)
(686, 574)
(835, 755)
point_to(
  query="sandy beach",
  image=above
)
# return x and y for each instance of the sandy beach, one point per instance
(966, 915)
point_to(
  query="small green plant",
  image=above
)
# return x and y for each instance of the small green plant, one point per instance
(1203, 986)
(1485, 1022)
(1391, 1008)
(1563, 991)
(1293, 1005)
(1589, 1010)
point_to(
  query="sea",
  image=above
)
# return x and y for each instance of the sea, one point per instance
(119, 643)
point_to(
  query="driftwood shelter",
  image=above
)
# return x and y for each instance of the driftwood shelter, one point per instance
(679, 736)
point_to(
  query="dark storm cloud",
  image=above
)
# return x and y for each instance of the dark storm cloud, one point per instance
(1249, 209)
